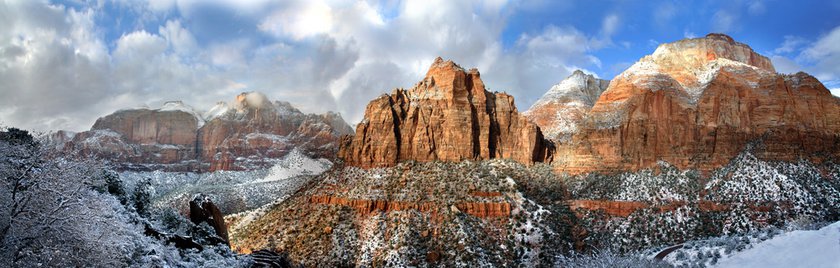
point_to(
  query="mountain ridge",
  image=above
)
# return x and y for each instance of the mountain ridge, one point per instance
(249, 132)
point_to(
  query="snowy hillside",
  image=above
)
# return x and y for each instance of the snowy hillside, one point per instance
(232, 191)
(806, 248)
(296, 164)
(799, 246)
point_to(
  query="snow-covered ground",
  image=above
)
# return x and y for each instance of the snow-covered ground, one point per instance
(232, 191)
(296, 164)
(811, 248)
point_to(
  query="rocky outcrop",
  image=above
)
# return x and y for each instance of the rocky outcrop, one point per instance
(449, 116)
(144, 138)
(623, 208)
(202, 210)
(478, 209)
(560, 110)
(697, 103)
(442, 212)
(250, 132)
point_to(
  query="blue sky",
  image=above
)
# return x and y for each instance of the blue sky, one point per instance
(66, 63)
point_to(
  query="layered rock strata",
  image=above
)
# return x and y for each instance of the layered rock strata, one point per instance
(697, 103)
(250, 132)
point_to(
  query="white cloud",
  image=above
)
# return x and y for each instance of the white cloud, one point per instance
(756, 7)
(52, 68)
(179, 38)
(300, 20)
(139, 46)
(318, 55)
(664, 14)
(609, 26)
(785, 65)
(724, 21)
(791, 44)
(820, 58)
(825, 55)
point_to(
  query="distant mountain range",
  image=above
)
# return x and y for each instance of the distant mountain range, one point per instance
(247, 133)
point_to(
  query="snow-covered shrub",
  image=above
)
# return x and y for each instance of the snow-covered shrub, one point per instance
(62, 211)
(607, 259)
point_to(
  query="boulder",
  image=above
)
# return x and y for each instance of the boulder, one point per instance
(202, 210)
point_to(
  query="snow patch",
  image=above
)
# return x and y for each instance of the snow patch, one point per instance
(296, 164)
(218, 110)
(804, 248)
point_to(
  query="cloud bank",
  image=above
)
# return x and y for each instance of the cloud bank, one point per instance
(65, 64)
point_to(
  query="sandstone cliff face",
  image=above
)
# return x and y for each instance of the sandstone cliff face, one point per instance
(250, 132)
(449, 116)
(696, 103)
(254, 130)
(565, 105)
(144, 138)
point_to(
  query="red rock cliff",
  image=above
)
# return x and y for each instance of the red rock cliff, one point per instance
(696, 103)
(247, 133)
(449, 116)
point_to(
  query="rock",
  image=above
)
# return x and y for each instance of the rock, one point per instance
(367, 206)
(59, 139)
(270, 259)
(248, 133)
(163, 137)
(449, 116)
(697, 103)
(560, 110)
(253, 131)
(203, 210)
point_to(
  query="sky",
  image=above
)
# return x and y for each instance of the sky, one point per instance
(63, 64)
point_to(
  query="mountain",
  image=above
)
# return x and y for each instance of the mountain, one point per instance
(700, 139)
(448, 116)
(447, 214)
(696, 103)
(249, 132)
(562, 108)
(422, 183)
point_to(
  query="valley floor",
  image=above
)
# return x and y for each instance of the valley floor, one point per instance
(806, 248)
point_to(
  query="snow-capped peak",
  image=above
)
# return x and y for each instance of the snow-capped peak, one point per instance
(182, 107)
(218, 110)
(577, 87)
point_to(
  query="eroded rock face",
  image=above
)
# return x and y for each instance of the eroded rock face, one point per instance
(144, 138)
(250, 132)
(696, 103)
(449, 116)
(560, 110)
(202, 210)
(366, 206)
